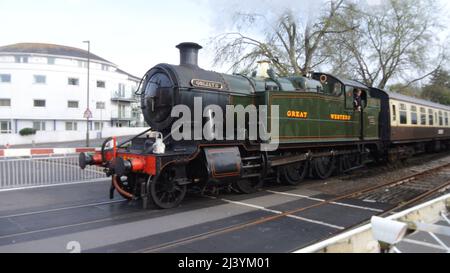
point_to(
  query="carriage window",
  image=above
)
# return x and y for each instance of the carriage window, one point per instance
(430, 117)
(403, 114)
(413, 115)
(446, 118)
(423, 116)
(441, 119)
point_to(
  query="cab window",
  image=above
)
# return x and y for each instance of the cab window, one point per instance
(349, 97)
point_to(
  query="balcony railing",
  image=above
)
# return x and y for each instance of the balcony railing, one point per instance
(122, 96)
(120, 115)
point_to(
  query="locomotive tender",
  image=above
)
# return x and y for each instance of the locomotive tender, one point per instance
(320, 132)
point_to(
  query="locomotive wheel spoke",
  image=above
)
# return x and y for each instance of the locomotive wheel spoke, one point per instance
(324, 167)
(295, 173)
(249, 185)
(165, 192)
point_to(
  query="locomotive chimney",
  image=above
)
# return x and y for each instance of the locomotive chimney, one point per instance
(189, 53)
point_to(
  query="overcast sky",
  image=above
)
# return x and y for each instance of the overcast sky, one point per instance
(134, 34)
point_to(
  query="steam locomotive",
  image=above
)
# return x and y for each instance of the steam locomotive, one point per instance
(319, 131)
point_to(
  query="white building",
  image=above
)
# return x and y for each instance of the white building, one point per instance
(44, 86)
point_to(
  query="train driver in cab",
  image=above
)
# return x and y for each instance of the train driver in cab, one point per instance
(357, 100)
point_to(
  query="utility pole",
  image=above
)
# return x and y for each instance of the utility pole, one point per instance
(88, 112)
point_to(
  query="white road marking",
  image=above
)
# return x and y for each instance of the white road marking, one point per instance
(60, 209)
(296, 195)
(356, 207)
(251, 206)
(58, 184)
(322, 200)
(315, 222)
(280, 212)
(415, 242)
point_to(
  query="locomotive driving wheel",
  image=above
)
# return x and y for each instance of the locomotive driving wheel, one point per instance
(166, 193)
(323, 167)
(350, 161)
(249, 185)
(295, 173)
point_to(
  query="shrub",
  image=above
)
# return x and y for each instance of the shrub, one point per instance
(27, 131)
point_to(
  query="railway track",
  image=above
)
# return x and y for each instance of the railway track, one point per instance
(400, 192)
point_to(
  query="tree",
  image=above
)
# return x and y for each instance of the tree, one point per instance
(392, 40)
(408, 90)
(438, 90)
(290, 45)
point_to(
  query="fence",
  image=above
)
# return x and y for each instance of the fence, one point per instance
(63, 136)
(38, 171)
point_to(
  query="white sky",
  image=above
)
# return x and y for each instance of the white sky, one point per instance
(134, 34)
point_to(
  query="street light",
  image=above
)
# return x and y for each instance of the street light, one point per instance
(87, 113)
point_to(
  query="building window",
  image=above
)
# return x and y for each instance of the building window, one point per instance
(39, 103)
(430, 117)
(423, 116)
(441, 119)
(5, 102)
(72, 104)
(101, 84)
(100, 105)
(73, 81)
(21, 59)
(50, 60)
(97, 125)
(71, 126)
(121, 90)
(82, 64)
(403, 114)
(413, 115)
(40, 79)
(39, 125)
(5, 127)
(105, 67)
(5, 78)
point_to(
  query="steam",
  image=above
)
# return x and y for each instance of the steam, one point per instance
(225, 11)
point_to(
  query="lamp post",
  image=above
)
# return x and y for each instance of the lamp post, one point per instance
(87, 112)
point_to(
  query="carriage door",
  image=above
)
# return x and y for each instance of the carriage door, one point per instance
(394, 114)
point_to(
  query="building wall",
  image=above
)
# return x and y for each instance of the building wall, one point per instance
(56, 91)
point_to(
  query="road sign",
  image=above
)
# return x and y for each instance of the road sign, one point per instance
(87, 113)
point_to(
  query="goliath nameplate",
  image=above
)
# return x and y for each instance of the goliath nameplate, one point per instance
(206, 84)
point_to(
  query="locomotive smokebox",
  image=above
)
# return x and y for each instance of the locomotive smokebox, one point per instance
(189, 53)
